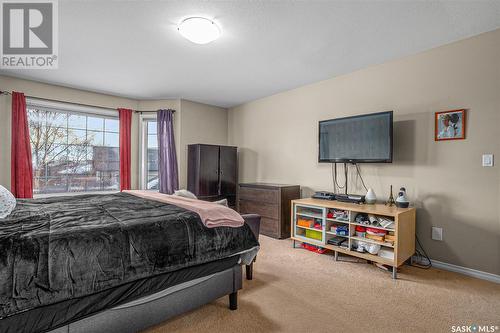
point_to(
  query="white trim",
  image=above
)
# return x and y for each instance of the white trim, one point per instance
(76, 108)
(465, 271)
(142, 147)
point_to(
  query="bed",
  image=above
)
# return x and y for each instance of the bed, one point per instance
(113, 263)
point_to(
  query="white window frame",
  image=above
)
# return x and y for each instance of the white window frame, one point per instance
(73, 109)
(70, 107)
(143, 149)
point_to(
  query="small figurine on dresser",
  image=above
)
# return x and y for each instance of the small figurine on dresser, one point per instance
(390, 201)
(402, 200)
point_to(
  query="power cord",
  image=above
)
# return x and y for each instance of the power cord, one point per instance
(346, 173)
(334, 181)
(359, 174)
(420, 256)
(334, 177)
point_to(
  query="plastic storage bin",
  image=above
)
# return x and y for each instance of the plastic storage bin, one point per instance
(314, 234)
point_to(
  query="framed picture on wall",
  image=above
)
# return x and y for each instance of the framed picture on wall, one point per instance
(450, 125)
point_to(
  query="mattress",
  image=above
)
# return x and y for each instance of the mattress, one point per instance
(49, 317)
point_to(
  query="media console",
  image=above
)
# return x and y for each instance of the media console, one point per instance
(312, 223)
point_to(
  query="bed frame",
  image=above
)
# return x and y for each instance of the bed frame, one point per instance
(140, 314)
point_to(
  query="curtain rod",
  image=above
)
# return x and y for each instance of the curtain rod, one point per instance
(81, 104)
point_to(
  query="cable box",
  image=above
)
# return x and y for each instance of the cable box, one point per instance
(323, 195)
(353, 198)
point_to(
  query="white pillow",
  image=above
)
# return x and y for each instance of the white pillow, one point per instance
(185, 194)
(222, 202)
(7, 202)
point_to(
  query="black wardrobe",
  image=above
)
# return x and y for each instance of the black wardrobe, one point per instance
(213, 172)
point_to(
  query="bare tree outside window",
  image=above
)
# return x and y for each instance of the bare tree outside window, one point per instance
(72, 152)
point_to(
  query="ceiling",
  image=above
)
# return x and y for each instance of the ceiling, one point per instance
(132, 48)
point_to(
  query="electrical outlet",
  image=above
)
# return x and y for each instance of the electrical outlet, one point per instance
(488, 160)
(437, 233)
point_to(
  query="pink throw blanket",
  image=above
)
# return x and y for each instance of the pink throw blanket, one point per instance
(212, 215)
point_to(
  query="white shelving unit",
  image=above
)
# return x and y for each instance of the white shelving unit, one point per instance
(316, 211)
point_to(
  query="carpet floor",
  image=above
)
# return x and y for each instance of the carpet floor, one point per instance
(295, 290)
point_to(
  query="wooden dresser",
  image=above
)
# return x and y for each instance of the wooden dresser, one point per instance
(272, 202)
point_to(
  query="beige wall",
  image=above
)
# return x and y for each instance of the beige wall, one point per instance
(201, 123)
(278, 138)
(193, 122)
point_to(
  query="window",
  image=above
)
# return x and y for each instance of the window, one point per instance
(150, 154)
(73, 152)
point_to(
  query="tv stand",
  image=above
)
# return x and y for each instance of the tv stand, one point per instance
(396, 250)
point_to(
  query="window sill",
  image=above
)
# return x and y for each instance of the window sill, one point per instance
(69, 194)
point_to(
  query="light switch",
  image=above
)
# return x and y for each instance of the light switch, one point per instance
(437, 233)
(488, 160)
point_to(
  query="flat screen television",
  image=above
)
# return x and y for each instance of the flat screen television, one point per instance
(358, 139)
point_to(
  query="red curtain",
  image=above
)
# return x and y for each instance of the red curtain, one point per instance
(125, 126)
(21, 169)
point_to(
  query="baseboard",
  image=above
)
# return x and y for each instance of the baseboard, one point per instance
(464, 270)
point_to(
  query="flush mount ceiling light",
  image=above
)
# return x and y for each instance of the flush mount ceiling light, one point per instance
(199, 30)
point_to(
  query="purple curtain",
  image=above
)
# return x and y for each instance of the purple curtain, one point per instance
(167, 159)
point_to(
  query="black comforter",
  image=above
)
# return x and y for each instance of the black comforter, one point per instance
(66, 247)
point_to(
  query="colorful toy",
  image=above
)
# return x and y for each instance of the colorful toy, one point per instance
(313, 248)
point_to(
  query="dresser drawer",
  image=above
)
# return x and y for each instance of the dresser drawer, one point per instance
(259, 194)
(269, 227)
(263, 209)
